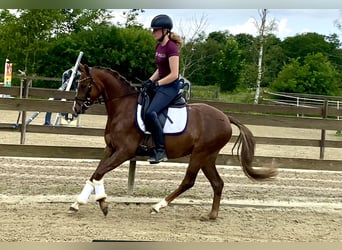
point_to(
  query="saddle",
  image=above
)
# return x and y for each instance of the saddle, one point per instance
(173, 118)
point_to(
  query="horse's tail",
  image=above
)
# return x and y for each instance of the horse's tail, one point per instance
(246, 146)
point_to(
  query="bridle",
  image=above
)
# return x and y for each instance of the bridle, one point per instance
(87, 102)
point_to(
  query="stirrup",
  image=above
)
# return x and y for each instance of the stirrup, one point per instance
(154, 161)
(158, 157)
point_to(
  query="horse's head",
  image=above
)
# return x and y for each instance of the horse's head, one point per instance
(87, 91)
(100, 84)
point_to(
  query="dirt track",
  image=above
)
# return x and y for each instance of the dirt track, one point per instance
(35, 195)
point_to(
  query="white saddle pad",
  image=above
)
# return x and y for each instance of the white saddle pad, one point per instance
(175, 123)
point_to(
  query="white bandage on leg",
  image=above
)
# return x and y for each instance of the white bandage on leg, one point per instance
(83, 197)
(155, 208)
(74, 207)
(99, 190)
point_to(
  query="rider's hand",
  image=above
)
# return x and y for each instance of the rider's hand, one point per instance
(147, 83)
(150, 86)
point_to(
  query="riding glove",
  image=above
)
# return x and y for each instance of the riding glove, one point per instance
(146, 83)
(149, 85)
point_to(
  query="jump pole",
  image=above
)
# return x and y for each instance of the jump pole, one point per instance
(74, 70)
(68, 86)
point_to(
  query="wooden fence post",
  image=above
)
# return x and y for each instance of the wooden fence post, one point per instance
(323, 132)
(131, 175)
(338, 132)
(23, 116)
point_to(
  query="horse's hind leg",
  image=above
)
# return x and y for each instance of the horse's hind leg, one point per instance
(217, 184)
(187, 183)
(206, 162)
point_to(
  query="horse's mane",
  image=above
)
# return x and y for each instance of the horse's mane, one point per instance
(117, 75)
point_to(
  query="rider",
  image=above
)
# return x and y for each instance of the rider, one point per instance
(164, 81)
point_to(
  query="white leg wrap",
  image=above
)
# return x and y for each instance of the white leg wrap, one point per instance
(83, 197)
(75, 206)
(99, 190)
(155, 208)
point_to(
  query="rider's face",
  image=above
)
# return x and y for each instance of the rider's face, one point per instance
(157, 33)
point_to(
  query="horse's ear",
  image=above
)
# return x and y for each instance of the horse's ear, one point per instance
(81, 67)
(84, 68)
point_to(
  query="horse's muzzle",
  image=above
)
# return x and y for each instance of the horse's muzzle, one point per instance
(81, 107)
(77, 109)
(74, 114)
(85, 106)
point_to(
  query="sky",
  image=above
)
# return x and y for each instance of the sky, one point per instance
(290, 22)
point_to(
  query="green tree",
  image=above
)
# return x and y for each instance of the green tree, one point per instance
(247, 46)
(274, 60)
(249, 57)
(35, 27)
(130, 51)
(229, 66)
(313, 75)
(219, 36)
(9, 36)
(29, 33)
(131, 18)
(308, 43)
(207, 55)
(76, 20)
(136, 53)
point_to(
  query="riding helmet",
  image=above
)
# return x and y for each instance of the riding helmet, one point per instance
(161, 21)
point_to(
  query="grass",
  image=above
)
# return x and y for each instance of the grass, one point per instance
(243, 96)
(214, 93)
(205, 92)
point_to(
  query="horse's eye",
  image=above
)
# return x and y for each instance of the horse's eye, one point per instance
(83, 85)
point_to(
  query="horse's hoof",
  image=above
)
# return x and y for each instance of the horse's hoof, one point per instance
(207, 218)
(74, 207)
(104, 207)
(72, 210)
(154, 210)
(105, 211)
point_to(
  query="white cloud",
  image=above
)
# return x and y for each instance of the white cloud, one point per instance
(247, 27)
(283, 29)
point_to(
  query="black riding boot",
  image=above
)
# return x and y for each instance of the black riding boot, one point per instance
(159, 153)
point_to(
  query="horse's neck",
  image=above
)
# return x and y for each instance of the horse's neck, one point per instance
(116, 89)
(118, 106)
(118, 95)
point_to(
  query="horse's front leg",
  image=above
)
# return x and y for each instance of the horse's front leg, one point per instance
(105, 165)
(89, 186)
(88, 189)
(115, 160)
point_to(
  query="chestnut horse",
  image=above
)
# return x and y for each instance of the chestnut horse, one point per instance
(208, 130)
